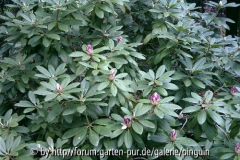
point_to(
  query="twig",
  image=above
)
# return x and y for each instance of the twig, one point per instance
(184, 124)
(223, 132)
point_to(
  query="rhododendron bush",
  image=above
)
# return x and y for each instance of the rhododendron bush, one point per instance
(118, 74)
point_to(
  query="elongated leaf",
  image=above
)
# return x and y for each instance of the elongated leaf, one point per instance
(93, 137)
(137, 127)
(201, 117)
(128, 140)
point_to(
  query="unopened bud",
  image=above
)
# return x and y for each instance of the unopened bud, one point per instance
(237, 148)
(58, 88)
(155, 98)
(173, 135)
(89, 49)
(112, 75)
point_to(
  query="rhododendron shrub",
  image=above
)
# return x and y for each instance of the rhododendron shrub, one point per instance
(118, 74)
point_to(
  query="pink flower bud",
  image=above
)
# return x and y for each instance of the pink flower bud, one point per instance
(155, 98)
(233, 90)
(127, 123)
(173, 135)
(89, 49)
(119, 39)
(112, 75)
(59, 88)
(237, 148)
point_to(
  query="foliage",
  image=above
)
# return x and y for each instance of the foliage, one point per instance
(118, 74)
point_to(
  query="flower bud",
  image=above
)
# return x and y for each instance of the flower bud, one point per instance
(233, 90)
(89, 49)
(173, 135)
(237, 148)
(119, 39)
(58, 88)
(155, 98)
(220, 3)
(127, 123)
(112, 75)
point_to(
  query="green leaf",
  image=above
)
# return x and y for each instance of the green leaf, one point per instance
(32, 97)
(121, 75)
(170, 86)
(2, 145)
(70, 133)
(53, 36)
(65, 81)
(50, 142)
(24, 104)
(9, 142)
(16, 143)
(216, 117)
(147, 123)
(103, 85)
(77, 54)
(147, 91)
(161, 138)
(159, 113)
(54, 113)
(79, 136)
(50, 97)
(46, 42)
(118, 60)
(99, 12)
(137, 127)
(24, 78)
(81, 109)
(113, 90)
(25, 17)
(93, 137)
(191, 100)
(102, 131)
(51, 25)
(186, 141)
(160, 71)
(21, 129)
(227, 156)
(196, 96)
(162, 91)
(34, 39)
(116, 133)
(198, 83)
(147, 38)
(63, 27)
(201, 117)
(187, 82)
(198, 65)
(69, 110)
(208, 96)
(116, 117)
(191, 109)
(105, 7)
(141, 110)
(128, 140)
(43, 71)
